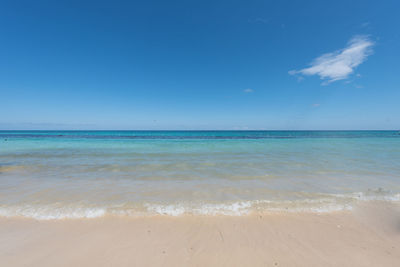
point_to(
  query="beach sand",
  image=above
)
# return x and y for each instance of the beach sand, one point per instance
(366, 236)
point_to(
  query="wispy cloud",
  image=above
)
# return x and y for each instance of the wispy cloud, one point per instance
(340, 64)
(316, 105)
(365, 24)
(248, 90)
(259, 20)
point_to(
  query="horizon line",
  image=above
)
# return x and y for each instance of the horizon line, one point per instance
(194, 130)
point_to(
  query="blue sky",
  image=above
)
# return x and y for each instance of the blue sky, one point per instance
(200, 65)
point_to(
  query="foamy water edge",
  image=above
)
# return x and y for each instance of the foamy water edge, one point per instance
(336, 202)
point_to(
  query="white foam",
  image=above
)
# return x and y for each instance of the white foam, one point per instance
(377, 195)
(172, 210)
(51, 213)
(232, 209)
(325, 208)
(323, 204)
(371, 197)
(246, 207)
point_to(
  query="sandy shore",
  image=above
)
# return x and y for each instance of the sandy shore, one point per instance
(367, 236)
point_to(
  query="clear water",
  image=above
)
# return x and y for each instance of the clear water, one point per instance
(81, 174)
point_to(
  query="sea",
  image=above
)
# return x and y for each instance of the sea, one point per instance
(53, 175)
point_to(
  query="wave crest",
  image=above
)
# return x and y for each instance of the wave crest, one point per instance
(323, 204)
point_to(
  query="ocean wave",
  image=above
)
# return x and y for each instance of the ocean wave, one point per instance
(231, 209)
(370, 195)
(51, 213)
(326, 204)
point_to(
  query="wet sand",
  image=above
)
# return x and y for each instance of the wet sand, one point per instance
(366, 236)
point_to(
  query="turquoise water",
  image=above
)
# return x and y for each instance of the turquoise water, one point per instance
(82, 174)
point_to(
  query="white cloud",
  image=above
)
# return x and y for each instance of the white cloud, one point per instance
(340, 64)
(259, 20)
(248, 90)
(316, 105)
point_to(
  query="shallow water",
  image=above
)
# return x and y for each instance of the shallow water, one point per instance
(78, 174)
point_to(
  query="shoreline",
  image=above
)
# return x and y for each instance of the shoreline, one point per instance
(366, 236)
(326, 203)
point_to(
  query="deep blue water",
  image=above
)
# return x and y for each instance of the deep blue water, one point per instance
(198, 134)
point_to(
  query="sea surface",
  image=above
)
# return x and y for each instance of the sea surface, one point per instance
(88, 174)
